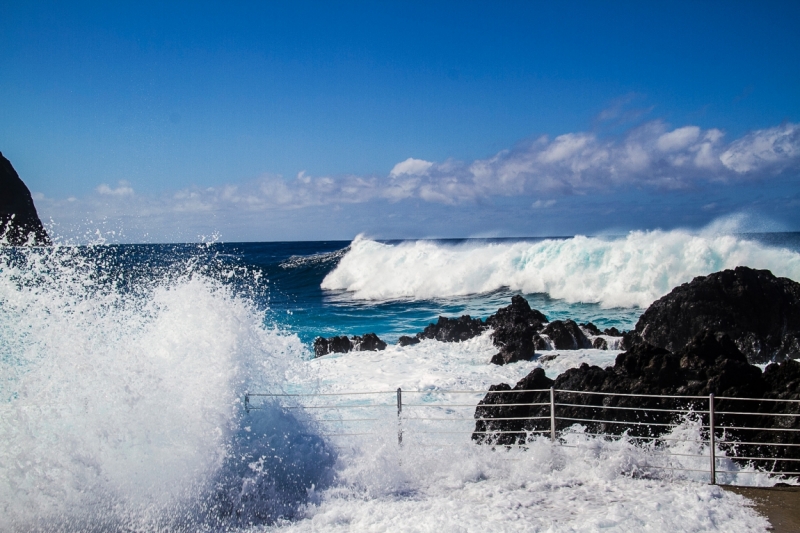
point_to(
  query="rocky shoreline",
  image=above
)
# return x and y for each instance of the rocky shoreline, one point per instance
(704, 337)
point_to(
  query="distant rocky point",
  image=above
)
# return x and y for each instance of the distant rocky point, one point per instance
(19, 222)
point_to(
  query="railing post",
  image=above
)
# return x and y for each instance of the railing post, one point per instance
(552, 414)
(399, 413)
(711, 439)
(247, 403)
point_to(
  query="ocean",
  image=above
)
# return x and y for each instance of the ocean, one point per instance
(124, 371)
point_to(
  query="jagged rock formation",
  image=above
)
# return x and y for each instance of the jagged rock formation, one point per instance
(709, 363)
(343, 344)
(19, 222)
(514, 329)
(453, 329)
(758, 310)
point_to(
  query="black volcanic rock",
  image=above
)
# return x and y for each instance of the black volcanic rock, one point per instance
(405, 340)
(591, 328)
(343, 344)
(709, 363)
(453, 329)
(599, 343)
(19, 222)
(758, 310)
(566, 335)
(368, 343)
(514, 329)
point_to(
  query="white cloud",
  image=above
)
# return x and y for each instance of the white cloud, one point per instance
(651, 156)
(771, 148)
(678, 139)
(411, 166)
(123, 189)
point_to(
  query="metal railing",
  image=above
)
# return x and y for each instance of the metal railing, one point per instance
(703, 409)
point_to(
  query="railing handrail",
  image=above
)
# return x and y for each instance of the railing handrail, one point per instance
(512, 391)
(710, 429)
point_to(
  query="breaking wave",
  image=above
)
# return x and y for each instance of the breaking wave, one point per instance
(120, 398)
(630, 271)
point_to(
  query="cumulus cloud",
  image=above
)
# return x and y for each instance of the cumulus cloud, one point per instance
(415, 167)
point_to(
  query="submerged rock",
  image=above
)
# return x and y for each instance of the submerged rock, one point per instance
(757, 310)
(19, 222)
(343, 344)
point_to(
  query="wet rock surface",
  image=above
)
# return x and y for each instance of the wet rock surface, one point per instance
(566, 335)
(757, 310)
(343, 344)
(709, 363)
(453, 329)
(515, 327)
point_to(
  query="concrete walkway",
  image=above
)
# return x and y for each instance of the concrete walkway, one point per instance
(781, 505)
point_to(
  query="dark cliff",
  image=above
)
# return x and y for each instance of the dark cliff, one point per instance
(19, 222)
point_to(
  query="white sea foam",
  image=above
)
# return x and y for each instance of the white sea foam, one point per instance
(630, 271)
(438, 480)
(120, 404)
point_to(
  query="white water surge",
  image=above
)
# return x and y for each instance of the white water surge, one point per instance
(120, 405)
(438, 480)
(632, 271)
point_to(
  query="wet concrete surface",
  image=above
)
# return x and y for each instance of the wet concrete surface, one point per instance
(780, 504)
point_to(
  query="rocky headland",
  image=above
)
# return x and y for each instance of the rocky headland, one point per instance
(19, 223)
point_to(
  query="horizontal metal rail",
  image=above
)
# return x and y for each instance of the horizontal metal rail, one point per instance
(282, 395)
(441, 391)
(759, 429)
(631, 408)
(760, 458)
(756, 399)
(483, 405)
(756, 443)
(619, 437)
(691, 405)
(620, 422)
(755, 414)
(632, 395)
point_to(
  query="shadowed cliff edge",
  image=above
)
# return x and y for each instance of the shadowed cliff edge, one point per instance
(19, 222)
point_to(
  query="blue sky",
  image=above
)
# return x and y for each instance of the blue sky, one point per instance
(304, 120)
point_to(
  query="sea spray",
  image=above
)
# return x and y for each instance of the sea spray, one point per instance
(629, 271)
(121, 396)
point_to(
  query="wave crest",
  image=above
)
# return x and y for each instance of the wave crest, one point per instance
(631, 271)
